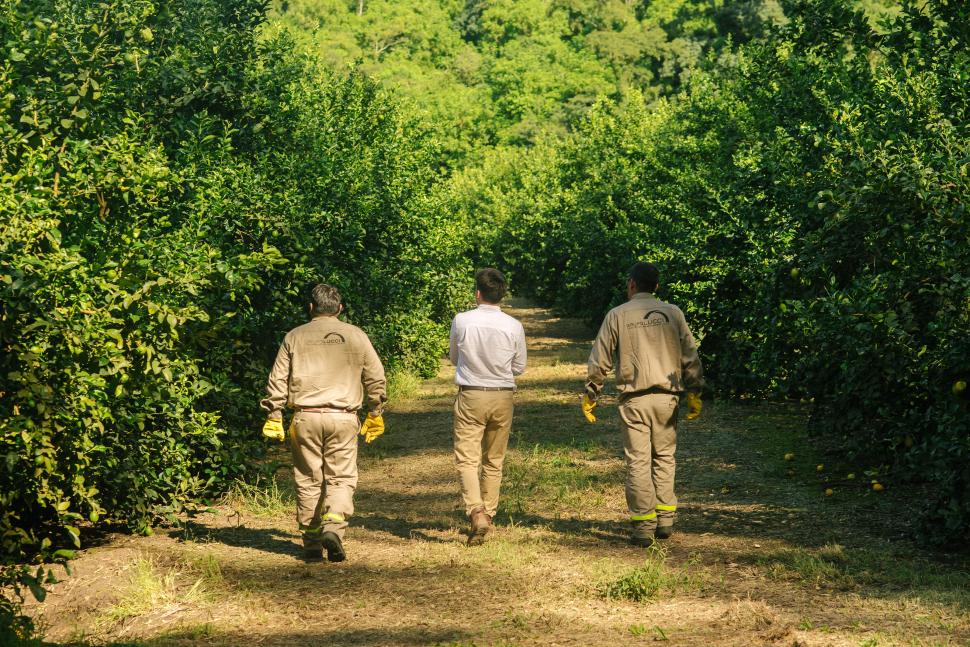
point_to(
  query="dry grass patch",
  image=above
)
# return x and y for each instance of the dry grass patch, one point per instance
(161, 589)
(266, 497)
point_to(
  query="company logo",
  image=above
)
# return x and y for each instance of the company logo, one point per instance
(647, 322)
(329, 338)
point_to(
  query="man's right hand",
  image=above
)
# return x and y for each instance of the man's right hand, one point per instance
(273, 429)
(372, 428)
(588, 407)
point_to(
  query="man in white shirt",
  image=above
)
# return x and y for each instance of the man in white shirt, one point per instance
(488, 351)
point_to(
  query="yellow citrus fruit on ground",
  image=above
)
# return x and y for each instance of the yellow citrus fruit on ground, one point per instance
(851, 476)
(789, 456)
(829, 492)
(878, 487)
(819, 467)
(959, 387)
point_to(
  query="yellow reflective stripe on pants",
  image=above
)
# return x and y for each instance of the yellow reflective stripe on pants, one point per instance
(644, 517)
(666, 508)
(310, 531)
(333, 516)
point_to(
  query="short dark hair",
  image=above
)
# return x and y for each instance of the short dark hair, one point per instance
(325, 299)
(645, 275)
(491, 284)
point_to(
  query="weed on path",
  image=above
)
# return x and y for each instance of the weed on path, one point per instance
(760, 556)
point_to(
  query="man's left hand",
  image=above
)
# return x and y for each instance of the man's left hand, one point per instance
(373, 427)
(694, 405)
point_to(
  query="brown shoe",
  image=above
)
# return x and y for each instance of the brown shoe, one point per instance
(481, 524)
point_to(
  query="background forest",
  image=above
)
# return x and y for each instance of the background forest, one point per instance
(173, 175)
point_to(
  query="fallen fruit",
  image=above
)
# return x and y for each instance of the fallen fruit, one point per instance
(829, 492)
(819, 467)
(878, 487)
(851, 476)
(959, 387)
(789, 456)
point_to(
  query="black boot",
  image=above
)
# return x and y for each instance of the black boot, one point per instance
(312, 548)
(335, 547)
(664, 532)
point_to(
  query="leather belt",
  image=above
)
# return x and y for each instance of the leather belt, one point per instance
(463, 387)
(653, 390)
(324, 410)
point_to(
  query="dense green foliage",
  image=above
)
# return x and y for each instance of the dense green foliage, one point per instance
(173, 177)
(169, 188)
(498, 72)
(808, 207)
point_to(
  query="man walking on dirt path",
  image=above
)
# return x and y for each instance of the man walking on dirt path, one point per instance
(323, 371)
(488, 351)
(656, 361)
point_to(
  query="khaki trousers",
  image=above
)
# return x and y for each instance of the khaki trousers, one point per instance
(649, 442)
(324, 447)
(483, 420)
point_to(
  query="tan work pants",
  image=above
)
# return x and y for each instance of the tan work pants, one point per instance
(649, 441)
(324, 447)
(483, 420)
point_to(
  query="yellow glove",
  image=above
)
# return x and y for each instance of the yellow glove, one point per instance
(372, 428)
(273, 429)
(694, 405)
(588, 407)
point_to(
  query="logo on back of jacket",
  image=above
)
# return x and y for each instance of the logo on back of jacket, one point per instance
(650, 320)
(330, 338)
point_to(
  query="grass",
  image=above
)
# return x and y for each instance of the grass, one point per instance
(887, 568)
(759, 556)
(154, 587)
(263, 498)
(402, 385)
(560, 481)
(654, 577)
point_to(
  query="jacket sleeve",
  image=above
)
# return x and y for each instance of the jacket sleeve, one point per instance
(277, 386)
(518, 360)
(372, 376)
(690, 361)
(601, 356)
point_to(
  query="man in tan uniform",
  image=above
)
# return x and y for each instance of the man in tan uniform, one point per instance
(488, 351)
(656, 361)
(323, 371)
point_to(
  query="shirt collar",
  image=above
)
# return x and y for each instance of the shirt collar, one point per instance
(644, 295)
(488, 306)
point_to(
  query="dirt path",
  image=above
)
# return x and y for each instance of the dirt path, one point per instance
(761, 556)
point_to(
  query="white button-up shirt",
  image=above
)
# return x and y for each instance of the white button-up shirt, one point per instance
(487, 347)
